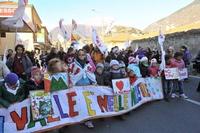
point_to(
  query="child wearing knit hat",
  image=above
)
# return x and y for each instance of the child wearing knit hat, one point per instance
(36, 81)
(144, 67)
(11, 91)
(115, 72)
(99, 73)
(153, 68)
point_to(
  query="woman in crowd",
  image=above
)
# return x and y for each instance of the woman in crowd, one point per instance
(53, 54)
(20, 63)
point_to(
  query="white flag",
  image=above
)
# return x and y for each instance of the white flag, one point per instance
(63, 30)
(96, 40)
(161, 39)
(17, 20)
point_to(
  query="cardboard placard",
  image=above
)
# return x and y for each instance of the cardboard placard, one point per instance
(121, 86)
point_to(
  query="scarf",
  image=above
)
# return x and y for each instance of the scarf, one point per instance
(14, 92)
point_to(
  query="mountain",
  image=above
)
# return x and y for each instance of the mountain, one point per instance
(85, 31)
(186, 17)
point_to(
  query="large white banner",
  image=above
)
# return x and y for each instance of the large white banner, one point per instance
(79, 104)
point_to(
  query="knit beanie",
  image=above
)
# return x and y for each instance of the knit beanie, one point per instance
(114, 62)
(11, 79)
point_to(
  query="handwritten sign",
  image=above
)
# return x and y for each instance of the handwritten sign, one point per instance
(121, 85)
(183, 74)
(175, 73)
(171, 73)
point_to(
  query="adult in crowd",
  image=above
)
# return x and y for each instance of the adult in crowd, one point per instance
(170, 52)
(53, 54)
(61, 54)
(20, 63)
(42, 58)
(187, 56)
(9, 53)
(97, 56)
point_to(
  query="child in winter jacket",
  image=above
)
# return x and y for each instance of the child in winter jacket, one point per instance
(36, 81)
(101, 75)
(12, 90)
(144, 67)
(177, 62)
(115, 72)
(153, 68)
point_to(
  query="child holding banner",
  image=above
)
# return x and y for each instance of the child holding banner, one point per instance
(115, 72)
(177, 62)
(153, 68)
(36, 81)
(82, 74)
(101, 75)
(144, 67)
(11, 91)
(56, 66)
(167, 84)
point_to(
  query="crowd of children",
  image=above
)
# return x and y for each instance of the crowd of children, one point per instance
(87, 66)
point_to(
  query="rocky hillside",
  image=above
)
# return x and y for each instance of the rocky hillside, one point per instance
(187, 17)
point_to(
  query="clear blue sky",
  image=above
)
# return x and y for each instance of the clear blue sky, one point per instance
(135, 13)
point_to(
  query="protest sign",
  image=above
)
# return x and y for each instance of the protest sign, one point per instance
(81, 103)
(171, 73)
(175, 73)
(121, 85)
(183, 74)
(41, 106)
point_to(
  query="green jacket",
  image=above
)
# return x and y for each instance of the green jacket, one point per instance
(7, 98)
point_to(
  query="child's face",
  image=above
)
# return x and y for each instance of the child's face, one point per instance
(115, 67)
(179, 58)
(37, 76)
(13, 87)
(130, 73)
(154, 64)
(99, 70)
(81, 55)
(58, 67)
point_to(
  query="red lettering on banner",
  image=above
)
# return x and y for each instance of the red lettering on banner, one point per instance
(72, 113)
(103, 101)
(51, 119)
(20, 121)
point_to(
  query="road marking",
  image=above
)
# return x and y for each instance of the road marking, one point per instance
(194, 77)
(192, 101)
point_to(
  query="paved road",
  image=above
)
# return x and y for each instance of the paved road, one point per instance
(176, 116)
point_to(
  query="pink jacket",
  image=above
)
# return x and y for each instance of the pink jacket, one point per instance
(176, 63)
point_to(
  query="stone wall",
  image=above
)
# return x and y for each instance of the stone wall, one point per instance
(189, 38)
